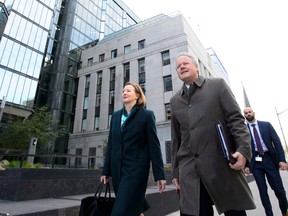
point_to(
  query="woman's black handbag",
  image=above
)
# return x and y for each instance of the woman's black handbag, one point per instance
(98, 205)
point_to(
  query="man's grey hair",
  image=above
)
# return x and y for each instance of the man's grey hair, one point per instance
(189, 56)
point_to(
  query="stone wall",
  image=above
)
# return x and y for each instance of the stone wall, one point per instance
(19, 184)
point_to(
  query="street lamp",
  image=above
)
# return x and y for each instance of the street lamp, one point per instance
(281, 126)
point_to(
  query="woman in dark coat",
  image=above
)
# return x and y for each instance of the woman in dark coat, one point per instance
(132, 145)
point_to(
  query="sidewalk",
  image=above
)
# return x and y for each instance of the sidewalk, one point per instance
(56, 204)
(259, 211)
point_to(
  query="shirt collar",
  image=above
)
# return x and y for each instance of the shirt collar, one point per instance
(199, 82)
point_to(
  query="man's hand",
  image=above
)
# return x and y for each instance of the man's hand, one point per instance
(176, 182)
(240, 161)
(283, 166)
(247, 170)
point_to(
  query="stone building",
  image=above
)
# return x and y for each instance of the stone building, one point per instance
(144, 53)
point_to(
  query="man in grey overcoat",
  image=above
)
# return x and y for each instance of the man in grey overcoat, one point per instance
(201, 174)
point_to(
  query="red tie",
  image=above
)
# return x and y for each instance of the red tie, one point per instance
(257, 140)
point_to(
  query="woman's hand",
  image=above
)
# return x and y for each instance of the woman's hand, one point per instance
(104, 179)
(161, 184)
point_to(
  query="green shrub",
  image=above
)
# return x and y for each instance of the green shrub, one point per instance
(27, 165)
(16, 163)
(38, 165)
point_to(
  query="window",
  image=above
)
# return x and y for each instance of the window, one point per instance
(167, 83)
(92, 157)
(168, 111)
(78, 160)
(85, 106)
(112, 79)
(141, 70)
(84, 114)
(165, 58)
(141, 66)
(126, 74)
(99, 78)
(113, 54)
(98, 100)
(168, 152)
(109, 120)
(141, 44)
(142, 85)
(70, 69)
(92, 151)
(96, 123)
(90, 62)
(127, 49)
(84, 125)
(112, 74)
(87, 84)
(111, 97)
(102, 57)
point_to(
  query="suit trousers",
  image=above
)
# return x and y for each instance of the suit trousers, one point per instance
(206, 205)
(269, 169)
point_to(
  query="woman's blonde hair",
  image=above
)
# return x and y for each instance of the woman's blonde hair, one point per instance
(141, 101)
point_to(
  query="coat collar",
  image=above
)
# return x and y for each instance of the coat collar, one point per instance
(199, 82)
(132, 113)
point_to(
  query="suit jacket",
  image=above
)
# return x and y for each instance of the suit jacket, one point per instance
(272, 142)
(197, 153)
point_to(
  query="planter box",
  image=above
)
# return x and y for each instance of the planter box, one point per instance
(19, 184)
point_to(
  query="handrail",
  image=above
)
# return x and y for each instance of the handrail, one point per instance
(50, 159)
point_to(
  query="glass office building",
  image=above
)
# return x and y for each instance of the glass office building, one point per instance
(41, 47)
(5, 8)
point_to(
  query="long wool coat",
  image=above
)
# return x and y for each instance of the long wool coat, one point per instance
(131, 148)
(197, 153)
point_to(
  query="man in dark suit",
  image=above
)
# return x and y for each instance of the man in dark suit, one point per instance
(268, 157)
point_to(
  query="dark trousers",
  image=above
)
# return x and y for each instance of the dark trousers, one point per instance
(206, 205)
(269, 169)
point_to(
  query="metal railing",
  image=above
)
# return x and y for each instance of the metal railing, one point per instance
(53, 160)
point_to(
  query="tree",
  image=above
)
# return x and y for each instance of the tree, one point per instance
(17, 134)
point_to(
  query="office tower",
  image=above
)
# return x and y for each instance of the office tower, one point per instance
(40, 52)
(5, 9)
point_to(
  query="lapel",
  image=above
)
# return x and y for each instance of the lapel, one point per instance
(129, 118)
(260, 126)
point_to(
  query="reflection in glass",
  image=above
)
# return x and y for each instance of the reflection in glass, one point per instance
(2, 45)
(19, 91)
(6, 82)
(27, 57)
(38, 64)
(12, 87)
(21, 28)
(13, 55)
(20, 58)
(25, 91)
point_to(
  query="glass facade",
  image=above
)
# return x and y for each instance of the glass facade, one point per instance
(41, 46)
(22, 49)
